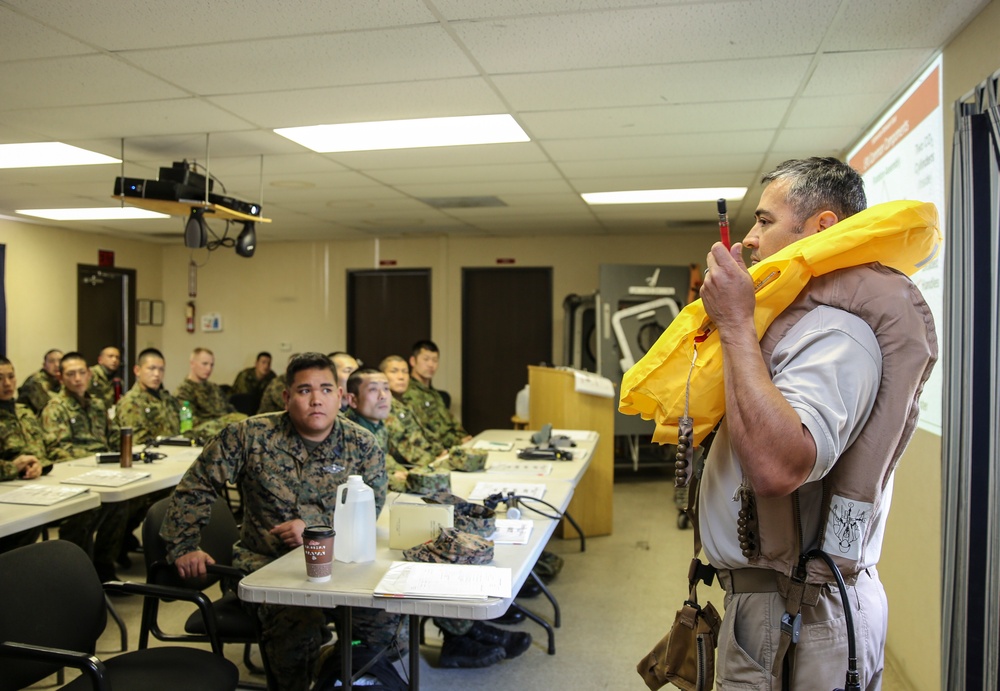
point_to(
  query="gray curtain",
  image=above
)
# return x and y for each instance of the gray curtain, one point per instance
(971, 462)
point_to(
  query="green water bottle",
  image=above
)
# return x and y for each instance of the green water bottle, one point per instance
(186, 417)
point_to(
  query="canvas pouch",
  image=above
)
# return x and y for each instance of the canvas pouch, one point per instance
(685, 657)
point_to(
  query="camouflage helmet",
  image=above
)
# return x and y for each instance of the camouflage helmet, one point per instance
(452, 546)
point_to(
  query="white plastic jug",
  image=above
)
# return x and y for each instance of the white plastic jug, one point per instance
(354, 521)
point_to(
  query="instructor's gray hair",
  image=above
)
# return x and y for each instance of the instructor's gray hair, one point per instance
(820, 184)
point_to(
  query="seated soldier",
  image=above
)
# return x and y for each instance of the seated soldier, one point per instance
(76, 424)
(104, 381)
(209, 408)
(22, 446)
(287, 466)
(253, 381)
(44, 384)
(148, 408)
(345, 363)
(273, 399)
(466, 643)
(426, 401)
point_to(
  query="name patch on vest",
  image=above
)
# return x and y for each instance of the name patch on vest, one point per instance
(847, 526)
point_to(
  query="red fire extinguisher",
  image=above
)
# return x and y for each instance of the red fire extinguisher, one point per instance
(189, 317)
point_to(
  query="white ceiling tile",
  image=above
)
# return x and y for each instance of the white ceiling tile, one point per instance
(863, 24)
(24, 38)
(485, 154)
(646, 36)
(653, 146)
(724, 168)
(479, 189)
(831, 111)
(871, 71)
(821, 138)
(665, 119)
(387, 55)
(703, 82)
(513, 171)
(81, 80)
(367, 102)
(185, 115)
(129, 25)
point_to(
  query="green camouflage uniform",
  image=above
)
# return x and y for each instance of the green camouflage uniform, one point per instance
(273, 399)
(101, 386)
(74, 429)
(37, 389)
(20, 433)
(248, 383)
(280, 479)
(427, 404)
(148, 414)
(378, 429)
(409, 442)
(209, 407)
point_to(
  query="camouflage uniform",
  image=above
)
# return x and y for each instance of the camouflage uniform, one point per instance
(209, 407)
(248, 383)
(408, 440)
(74, 429)
(101, 386)
(392, 466)
(280, 479)
(433, 414)
(20, 433)
(273, 399)
(37, 389)
(148, 414)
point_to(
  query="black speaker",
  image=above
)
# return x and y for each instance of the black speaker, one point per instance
(246, 242)
(195, 231)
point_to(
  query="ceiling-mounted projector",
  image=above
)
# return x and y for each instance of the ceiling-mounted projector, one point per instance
(180, 183)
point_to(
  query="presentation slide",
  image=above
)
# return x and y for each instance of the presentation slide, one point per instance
(902, 157)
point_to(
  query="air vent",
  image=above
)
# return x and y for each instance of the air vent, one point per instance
(462, 202)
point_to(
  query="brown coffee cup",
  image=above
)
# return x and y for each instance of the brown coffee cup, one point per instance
(317, 541)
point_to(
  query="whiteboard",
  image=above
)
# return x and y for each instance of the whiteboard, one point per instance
(902, 157)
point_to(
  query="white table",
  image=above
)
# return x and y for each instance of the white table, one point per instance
(17, 517)
(570, 471)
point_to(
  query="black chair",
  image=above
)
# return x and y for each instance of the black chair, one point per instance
(233, 623)
(246, 403)
(52, 613)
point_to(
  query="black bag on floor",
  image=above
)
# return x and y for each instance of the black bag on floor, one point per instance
(381, 676)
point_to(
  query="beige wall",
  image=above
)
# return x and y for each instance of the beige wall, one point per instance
(41, 266)
(295, 292)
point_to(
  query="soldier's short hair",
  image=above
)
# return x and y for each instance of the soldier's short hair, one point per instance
(200, 350)
(390, 358)
(72, 355)
(263, 353)
(304, 361)
(148, 353)
(49, 352)
(424, 345)
(357, 378)
(5, 361)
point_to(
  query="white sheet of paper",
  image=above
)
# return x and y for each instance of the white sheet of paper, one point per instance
(444, 581)
(41, 495)
(106, 478)
(511, 532)
(520, 468)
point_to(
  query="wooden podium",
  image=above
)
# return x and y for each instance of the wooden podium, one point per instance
(554, 400)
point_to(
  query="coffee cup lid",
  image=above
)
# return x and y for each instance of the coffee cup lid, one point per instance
(318, 532)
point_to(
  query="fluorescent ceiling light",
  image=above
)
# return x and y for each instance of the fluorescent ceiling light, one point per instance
(407, 134)
(45, 154)
(111, 213)
(702, 194)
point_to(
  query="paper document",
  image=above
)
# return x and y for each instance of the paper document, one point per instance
(41, 495)
(511, 532)
(444, 581)
(522, 468)
(107, 478)
(484, 445)
(521, 489)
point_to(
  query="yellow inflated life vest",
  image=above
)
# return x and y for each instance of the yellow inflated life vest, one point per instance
(903, 235)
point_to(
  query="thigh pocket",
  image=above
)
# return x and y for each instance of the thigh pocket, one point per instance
(745, 645)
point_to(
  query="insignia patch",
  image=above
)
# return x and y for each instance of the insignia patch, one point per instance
(847, 526)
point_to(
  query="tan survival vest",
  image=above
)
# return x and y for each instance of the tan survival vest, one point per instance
(852, 491)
